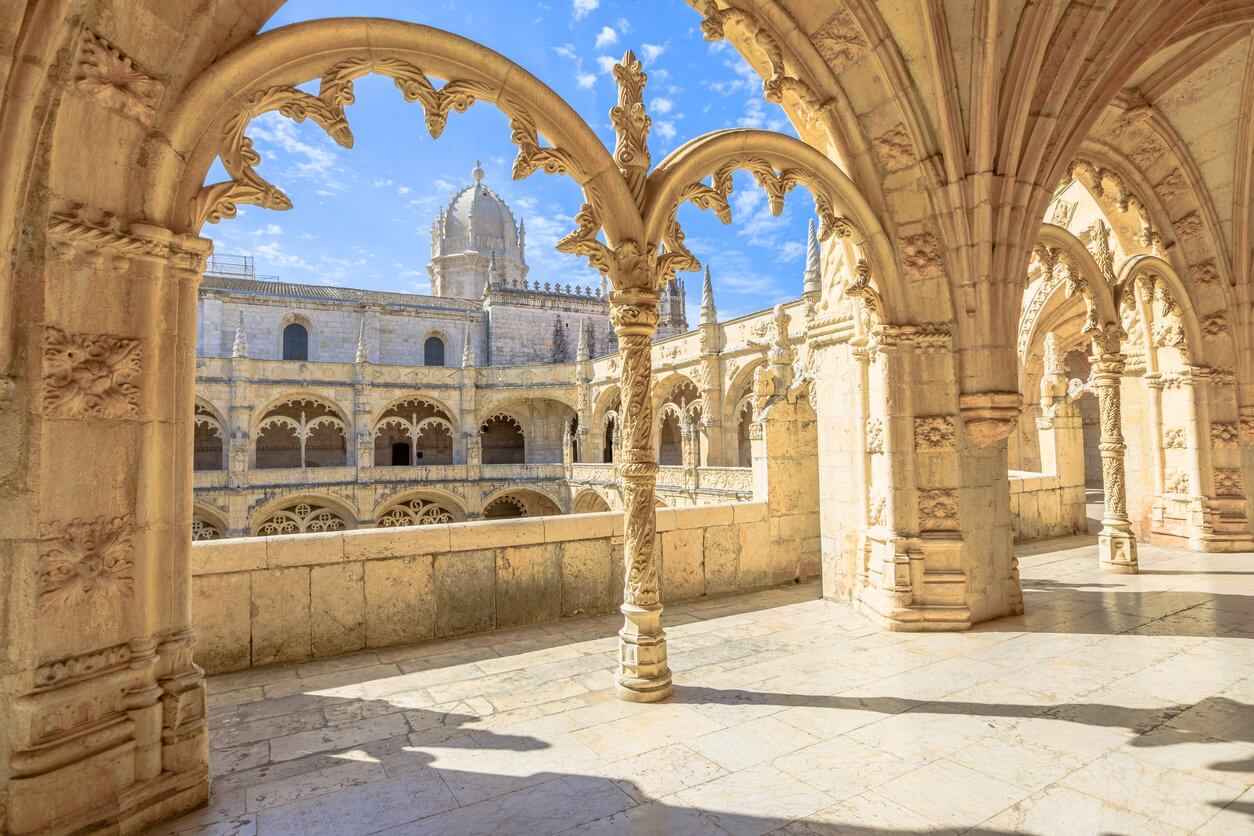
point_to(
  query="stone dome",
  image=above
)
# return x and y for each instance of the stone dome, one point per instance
(477, 220)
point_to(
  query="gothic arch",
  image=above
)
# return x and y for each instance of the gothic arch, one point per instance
(285, 512)
(739, 387)
(212, 114)
(260, 415)
(524, 495)
(208, 523)
(1158, 268)
(589, 501)
(436, 403)
(412, 504)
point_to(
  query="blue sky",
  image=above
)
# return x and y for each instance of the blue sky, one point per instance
(362, 217)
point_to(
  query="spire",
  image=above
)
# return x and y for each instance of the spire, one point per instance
(812, 282)
(709, 313)
(522, 238)
(363, 356)
(581, 351)
(468, 350)
(240, 349)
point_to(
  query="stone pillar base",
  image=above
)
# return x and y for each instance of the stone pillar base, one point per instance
(643, 675)
(1117, 551)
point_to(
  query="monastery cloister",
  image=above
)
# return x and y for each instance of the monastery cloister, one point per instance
(1031, 286)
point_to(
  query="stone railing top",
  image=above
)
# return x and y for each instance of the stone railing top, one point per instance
(245, 554)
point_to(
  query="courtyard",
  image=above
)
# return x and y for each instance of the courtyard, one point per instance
(1116, 704)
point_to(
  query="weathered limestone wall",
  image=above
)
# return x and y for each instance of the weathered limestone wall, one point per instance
(1042, 506)
(260, 600)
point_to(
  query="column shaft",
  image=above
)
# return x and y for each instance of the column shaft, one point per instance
(1116, 543)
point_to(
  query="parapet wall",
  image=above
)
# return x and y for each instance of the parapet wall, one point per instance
(1042, 507)
(259, 600)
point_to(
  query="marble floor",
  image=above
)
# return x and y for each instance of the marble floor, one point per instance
(1116, 705)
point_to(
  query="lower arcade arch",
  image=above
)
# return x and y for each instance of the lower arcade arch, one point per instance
(303, 515)
(520, 502)
(589, 501)
(419, 508)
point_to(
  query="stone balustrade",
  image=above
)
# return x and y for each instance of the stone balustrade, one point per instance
(258, 600)
(1043, 506)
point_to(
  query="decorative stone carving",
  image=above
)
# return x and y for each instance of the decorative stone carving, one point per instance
(839, 41)
(1171, 185)
(89, 375)
(1223, 434)
(302, 518)
(203, 529)
(1177, 481)
(1247, 428)
(1215, 326)
(112, 78)
(1190, 226)
(989, 417)
(895, 149)
(83, 561)
(934, 432)
(920, 255)
(75, 668)
(415, 512)
(1173, 438)
(1204, 274)
(874, 435)
(938, 510)
(1228, 482)
(1146, 152)
(876, 509)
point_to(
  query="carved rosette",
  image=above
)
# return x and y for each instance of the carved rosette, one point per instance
(89, 375)
(938, 510)
(1177, 481)
(1173, 438)
(83, 561)
(1228, 482)
(934, 432)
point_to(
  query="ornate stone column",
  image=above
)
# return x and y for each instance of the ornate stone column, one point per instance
(643, 675)
(1116, 544)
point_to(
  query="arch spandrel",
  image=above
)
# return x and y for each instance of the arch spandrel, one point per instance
(1154, 266)
(296, 54)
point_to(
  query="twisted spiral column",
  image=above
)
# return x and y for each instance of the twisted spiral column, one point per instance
(1116, 544)
(643, 675)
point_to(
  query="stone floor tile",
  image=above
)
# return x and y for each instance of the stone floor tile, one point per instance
(308, 785)
(224, 814)
(234, 732)
(664, 817)
(663, 772)
(1235, 818)
(751, 743)
(660, 726)
(843, 767)
(337, 737)
(931, 731)
(546, 808)
(868, 814)
(360, 810)
(756, 800)
(1169, 795)
(951, 794)
(1060, 811)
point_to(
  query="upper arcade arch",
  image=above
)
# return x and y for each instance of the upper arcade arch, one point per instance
(212, 116)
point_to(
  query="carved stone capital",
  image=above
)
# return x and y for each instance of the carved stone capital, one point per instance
(989, 417)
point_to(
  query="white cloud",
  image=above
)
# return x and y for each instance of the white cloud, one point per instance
(652, 52)
(606, 37)
(444, 185)
(606, 63)
(585, 80)
(403, 190)
(310, 159)
(269, 229)
(661, 105)
(583, 8)
(380, 182)
(666, 130)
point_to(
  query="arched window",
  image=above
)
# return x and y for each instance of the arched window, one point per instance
(433, 352)
(295, 342)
